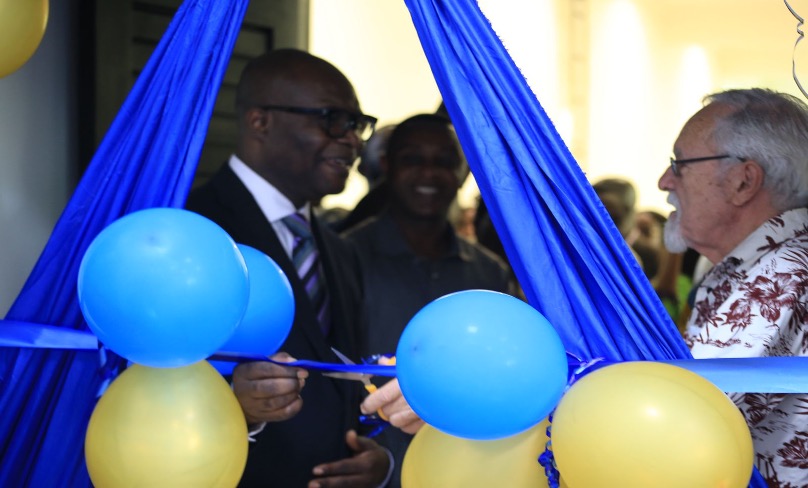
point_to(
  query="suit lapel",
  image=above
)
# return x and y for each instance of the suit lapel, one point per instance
(246, 214)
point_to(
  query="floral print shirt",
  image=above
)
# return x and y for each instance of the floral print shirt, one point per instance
(754, 303)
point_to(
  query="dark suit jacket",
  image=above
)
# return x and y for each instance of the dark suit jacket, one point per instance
(285, 452)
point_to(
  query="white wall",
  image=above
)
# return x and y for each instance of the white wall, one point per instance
(374, 43)
(36, 151)
(651, 62)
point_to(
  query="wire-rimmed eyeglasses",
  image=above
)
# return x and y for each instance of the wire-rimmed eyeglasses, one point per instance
(334, 121)
(676, 164)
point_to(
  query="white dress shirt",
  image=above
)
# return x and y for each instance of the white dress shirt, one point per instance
(273, 204)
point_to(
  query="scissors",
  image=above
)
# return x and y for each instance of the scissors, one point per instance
(363, 377)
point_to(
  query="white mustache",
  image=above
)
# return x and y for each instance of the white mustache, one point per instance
(673, 200)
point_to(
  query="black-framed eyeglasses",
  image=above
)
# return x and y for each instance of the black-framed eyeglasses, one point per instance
(676, 164)
(334, 121)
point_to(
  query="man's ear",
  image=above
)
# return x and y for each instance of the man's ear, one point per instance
(257, 120)
(747, 182)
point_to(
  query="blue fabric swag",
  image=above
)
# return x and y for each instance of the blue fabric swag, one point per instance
(147, 159)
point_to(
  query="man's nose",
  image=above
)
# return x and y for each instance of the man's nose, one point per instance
(666, 180)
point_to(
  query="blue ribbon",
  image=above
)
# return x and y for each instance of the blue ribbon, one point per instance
(743, 375)
(370, 369)
(15, 333)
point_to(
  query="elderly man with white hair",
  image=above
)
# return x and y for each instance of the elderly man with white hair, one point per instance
(739, 183)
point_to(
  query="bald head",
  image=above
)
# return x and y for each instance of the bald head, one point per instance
(277, 75)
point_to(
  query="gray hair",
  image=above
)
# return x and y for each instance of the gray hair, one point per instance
(771, 128)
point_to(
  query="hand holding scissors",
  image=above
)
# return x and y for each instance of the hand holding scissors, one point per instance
(362, 377)
(389, 401)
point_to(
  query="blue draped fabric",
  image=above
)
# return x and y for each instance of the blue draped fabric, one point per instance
(147, 159)
(573, 264)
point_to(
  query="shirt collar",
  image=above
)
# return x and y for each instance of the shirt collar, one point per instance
(390, 242)
(273, 204)
(769, 236)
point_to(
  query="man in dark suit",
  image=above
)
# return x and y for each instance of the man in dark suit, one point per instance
(300, 130)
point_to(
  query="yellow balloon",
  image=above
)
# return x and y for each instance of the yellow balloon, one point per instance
(435, 459)
(22, 25)
(167, 427)
(642, 424)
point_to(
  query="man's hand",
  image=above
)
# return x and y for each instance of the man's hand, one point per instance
(269, 392)
(367, 468)
(389, 399)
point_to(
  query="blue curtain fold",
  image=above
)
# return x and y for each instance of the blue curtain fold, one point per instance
(573, 264)
(147, 159)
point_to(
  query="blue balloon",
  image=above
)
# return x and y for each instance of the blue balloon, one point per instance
(163, 287)
(481, 365)
(270, 310)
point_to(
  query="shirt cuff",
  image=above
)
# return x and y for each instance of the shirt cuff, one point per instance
(390, 470)
(255, 429)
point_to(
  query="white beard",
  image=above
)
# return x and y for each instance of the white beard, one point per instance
(674, 241)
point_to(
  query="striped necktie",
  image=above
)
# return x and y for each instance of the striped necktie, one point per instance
(307, 262)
